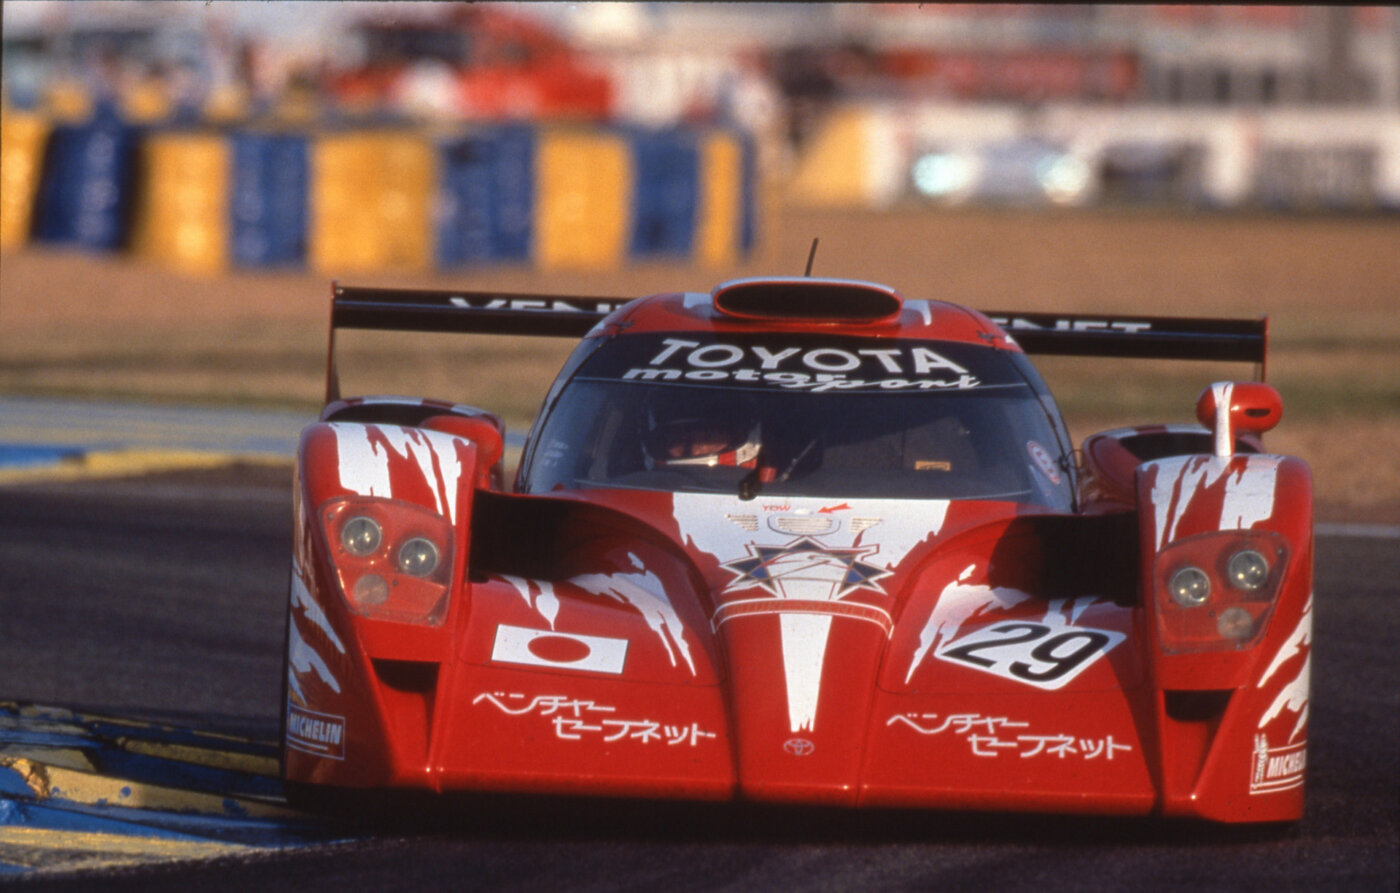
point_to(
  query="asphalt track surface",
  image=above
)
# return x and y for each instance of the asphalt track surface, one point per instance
(164, 599)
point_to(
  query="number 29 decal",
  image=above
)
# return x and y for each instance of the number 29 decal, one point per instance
(1033, 653)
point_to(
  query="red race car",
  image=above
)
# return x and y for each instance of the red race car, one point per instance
(803, 540)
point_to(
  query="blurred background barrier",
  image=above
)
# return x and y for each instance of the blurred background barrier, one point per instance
(409, 136)
(878, 155)
(22, 139)
(393, 198)
(728, 201)
(271, 183)
(182, 218)
(371, 202)
(584, 181)
(486, 196)
(666, 197)
(87, 183)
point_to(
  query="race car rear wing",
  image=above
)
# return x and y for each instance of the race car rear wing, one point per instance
(421, 310)
(1142, 337)
(572, 316)
(472, 312)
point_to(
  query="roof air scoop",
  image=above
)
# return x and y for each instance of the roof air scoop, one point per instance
(808, 300)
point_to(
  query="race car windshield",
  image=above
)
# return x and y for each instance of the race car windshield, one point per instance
(803, 417)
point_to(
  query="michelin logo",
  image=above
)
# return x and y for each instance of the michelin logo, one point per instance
(320, 734)
(1277, 768)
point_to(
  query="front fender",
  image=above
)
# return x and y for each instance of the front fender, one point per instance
(1232, 708)
(336, 652)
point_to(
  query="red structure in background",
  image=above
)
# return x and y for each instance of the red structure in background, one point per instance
(1031, 74)
(475, 62)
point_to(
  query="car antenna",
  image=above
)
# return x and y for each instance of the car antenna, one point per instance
(811, 256)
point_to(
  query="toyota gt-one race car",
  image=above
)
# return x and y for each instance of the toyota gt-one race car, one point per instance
(802, 540)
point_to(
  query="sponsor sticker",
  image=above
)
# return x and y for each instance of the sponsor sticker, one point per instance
(322, 734)
(997, 736)
(1127, 326)
(545, 305)
(582, 719)
(1031, 653)
(559, 651)
(804, 525)
(1044, 462)
(1277, 768)
(806, 565)
(816, 364)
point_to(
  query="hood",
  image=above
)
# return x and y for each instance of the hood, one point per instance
(809, 610)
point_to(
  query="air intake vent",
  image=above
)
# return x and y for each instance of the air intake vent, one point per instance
(810, 300)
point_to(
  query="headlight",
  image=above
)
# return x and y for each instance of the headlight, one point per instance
(361, 536)
(369, 590)
(1247, 570)
(1235, 623)
(418, 557)
(1189, 587)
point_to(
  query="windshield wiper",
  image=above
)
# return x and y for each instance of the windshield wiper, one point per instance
(748, 484)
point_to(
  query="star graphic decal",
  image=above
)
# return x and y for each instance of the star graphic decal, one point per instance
(766, 566)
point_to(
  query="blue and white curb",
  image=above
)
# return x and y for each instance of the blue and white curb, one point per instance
(65, 439)
(47, 439)
(84, 792)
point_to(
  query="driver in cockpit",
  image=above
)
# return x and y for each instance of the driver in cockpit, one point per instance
(703, 442)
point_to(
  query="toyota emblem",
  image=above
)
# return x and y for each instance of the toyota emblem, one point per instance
(798, 747)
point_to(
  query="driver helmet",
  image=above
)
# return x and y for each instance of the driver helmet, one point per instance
(703, 442)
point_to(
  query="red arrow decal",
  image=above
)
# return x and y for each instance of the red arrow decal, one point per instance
(843, 507)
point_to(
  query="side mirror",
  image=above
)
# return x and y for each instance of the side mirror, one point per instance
(1231, 408)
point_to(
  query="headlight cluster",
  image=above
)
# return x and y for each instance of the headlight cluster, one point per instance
(393, 558)
(1217, 589)
(1246, 571)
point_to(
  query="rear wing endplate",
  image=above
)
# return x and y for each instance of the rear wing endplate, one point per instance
(572, 316)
